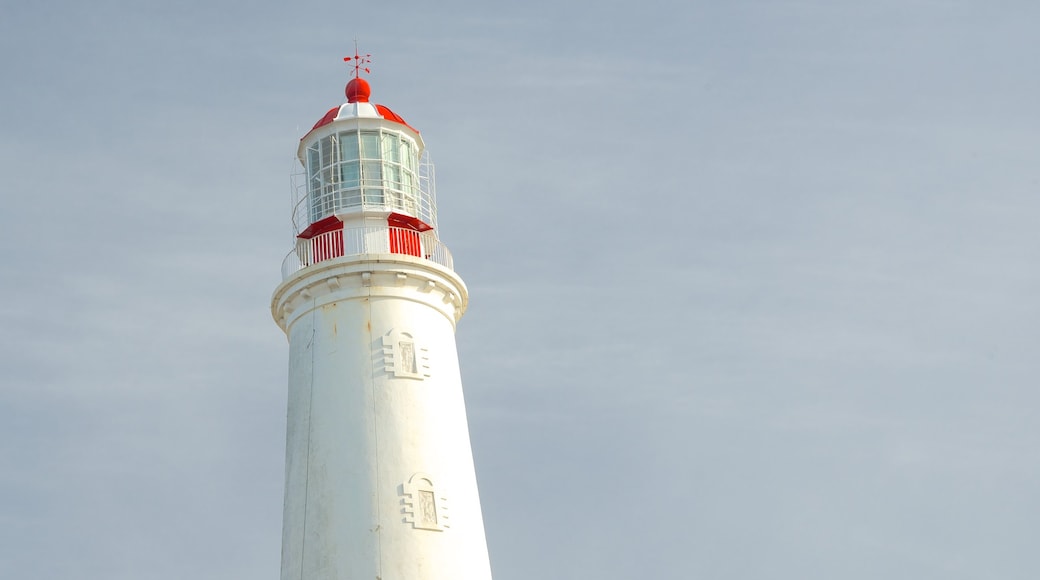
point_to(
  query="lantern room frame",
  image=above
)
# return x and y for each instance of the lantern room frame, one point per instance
(360, 170)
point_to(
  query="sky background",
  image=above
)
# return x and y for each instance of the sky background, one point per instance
(753, 284)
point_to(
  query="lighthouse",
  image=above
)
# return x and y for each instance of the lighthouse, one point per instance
(379, 477)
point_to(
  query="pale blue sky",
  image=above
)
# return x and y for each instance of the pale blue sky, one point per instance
(753, 284)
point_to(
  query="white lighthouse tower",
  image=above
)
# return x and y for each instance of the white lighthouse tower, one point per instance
(379, 479)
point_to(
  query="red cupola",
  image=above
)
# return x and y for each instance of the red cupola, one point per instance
(358, 90)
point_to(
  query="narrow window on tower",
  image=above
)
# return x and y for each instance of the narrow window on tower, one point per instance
(423, 505)
(428, 507)
(404, 357)
(407, 350)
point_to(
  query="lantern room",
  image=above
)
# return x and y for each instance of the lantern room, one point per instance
(362, 158)
(357, 169)
(365, 174)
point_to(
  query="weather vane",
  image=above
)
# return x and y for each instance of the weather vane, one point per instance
(359, 61)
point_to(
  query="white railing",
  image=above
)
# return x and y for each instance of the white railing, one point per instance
(365, 240)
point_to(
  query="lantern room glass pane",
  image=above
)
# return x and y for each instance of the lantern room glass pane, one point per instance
(372, 174)
(349, 171)
(370, 145)
(372, 181)
(350, 175)
(348, 144)
(408, 155)
(313, 169)
(328, 151)
(391, 148)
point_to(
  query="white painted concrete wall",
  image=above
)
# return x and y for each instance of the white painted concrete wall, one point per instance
(364, 430)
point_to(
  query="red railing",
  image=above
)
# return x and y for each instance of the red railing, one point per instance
(366, 240)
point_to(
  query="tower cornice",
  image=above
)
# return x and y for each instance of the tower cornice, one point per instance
(370, 276)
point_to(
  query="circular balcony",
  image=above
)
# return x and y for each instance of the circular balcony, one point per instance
(359, 241)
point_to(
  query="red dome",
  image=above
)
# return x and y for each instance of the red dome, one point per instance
(358, 91)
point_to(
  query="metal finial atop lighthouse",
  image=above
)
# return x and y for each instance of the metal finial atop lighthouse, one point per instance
(380, 481)
(358, 89)
(359, 61)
